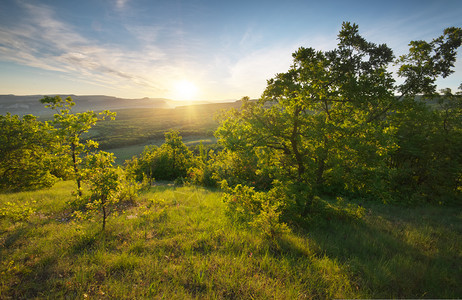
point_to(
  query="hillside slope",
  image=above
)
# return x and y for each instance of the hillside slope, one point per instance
(177, 243)
(21, 105)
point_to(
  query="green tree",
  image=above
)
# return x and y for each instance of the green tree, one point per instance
(179, 154)
(26, 148)
(108, 185)
(170, 161)
(428, 164)
(327, 121)
(426, 61)
(322, 120)
(70, 128)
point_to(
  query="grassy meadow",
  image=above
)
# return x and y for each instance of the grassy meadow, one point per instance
(177, 243)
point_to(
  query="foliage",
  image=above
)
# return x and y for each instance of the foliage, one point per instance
(70, 127)
(333, 124)
(211, 165)
(26, 153)
(201, 173)
(16, 212)
(170, 161)
(107, 186)
(320, 122)
(428, 163)
(245, 167)
(426, 61)
(261, 210)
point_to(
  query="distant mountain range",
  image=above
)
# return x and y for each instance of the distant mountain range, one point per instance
(21, 105)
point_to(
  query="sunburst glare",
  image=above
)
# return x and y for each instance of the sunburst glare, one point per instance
(184, 90)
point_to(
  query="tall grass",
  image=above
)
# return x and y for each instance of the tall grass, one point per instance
(176, 243)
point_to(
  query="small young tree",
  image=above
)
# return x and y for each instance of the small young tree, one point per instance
(70, 128)
(107, 185)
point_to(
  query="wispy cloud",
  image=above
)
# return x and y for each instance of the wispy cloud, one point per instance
(144, 33)
(138, 48)
(46, 42)
(248, 75)
(120, 4)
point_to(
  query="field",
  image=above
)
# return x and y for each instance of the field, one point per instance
(134, 128)
(176, 243)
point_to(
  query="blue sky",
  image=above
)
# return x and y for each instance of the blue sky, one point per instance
(207, 50)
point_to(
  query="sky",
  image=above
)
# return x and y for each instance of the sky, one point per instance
(191, 50)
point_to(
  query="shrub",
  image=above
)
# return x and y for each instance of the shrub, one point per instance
(260, 210)
(16, 212)
(170, 161)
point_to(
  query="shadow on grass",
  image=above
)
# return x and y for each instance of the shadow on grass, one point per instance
(30, 275)
(85, 242)
(381, 260)
(16, 235)
(36, 282)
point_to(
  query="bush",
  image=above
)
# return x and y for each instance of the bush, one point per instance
(170, 161)
(16, 212)
(238, 167)
(260, 210)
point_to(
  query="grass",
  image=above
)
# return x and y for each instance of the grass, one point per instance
(176, 243)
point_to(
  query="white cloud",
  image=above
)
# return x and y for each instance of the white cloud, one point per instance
(45, 42)
(249, 74)
(120, 4)
(146, 34)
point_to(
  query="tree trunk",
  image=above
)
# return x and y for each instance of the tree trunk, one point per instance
(103, 204)
(295, 146)
(76, 170)
(321, 161)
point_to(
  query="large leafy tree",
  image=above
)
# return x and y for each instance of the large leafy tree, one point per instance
(326, 121)
(26, 147)
(323, 116)
(428, 163)
(70, 128)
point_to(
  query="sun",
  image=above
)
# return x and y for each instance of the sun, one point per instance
(184, 90)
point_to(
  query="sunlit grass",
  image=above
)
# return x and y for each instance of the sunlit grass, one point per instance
(177, 243)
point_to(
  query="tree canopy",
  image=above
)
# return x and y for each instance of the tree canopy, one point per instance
(333, 123)
(26, 153)
(70, 127)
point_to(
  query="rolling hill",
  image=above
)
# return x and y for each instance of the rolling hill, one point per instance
(30, 104)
